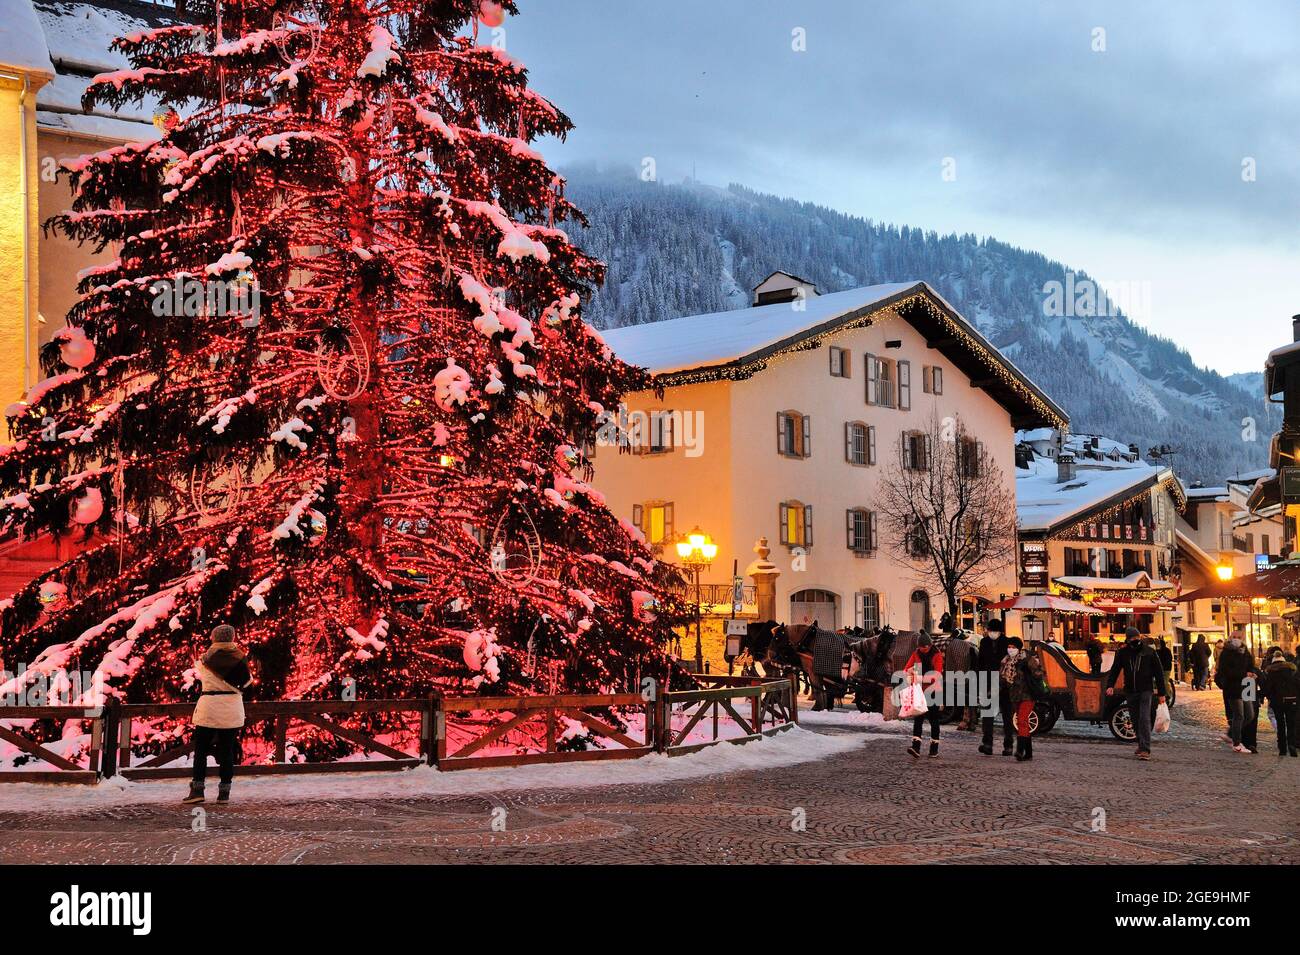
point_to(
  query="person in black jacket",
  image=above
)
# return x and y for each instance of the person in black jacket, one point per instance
(1237, 676)
(988, 660)
(1144, 677)
(1281, 684)
(1095, 653)
(1200, 656)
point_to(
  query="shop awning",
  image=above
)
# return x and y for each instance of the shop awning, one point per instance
(1132, 606)
(1044, 602)
(1280, 582)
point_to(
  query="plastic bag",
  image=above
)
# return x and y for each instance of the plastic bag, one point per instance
(1162, 718)
(911, 703)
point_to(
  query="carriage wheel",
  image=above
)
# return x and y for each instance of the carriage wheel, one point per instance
(1121, 723)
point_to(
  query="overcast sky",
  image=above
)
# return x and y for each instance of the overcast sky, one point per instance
(1126, 163)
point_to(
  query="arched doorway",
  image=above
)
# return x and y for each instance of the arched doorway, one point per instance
(819, 606)
(918, 608)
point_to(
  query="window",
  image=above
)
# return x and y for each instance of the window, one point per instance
(793, 434)
(970, 455)
(868, 610)
(905, 385)
(915, 446)
(932, 380)
(841, 364)
(861, 530)
(916, 541)
(662, 432)
(880, 378)
(655, 520)
(859, 443)
(796, 524)
(1263, 544)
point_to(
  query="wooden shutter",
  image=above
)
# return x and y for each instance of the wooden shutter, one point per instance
(780, 432)
(637, 517)
(871, 444)
(871, 378)
(785, 523)
(807, 525)
(925, 452)
(905, 445)
(871, 530)
(936, 380)
(668, 522)
(848, 441)
(806, 450)
(925, 379)
(905, 385)
(849, 515)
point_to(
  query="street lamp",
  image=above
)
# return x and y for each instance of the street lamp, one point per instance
(1224, 571)
(1225, 574)
(697, 551)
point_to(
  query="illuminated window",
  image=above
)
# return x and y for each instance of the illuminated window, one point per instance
(655, 520)
(796, 524)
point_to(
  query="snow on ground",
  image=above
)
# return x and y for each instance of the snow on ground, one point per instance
(784, 749)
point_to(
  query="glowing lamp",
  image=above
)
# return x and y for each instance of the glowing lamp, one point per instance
(1224, 571)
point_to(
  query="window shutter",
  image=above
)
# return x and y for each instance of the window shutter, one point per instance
(905, 444)
(871, 377)
(979, 456)
(807, 435)
(668, 522)
(925, 379)
(848, 441)
(936, 380)
(785, 523)
(780, 432)
(636, 516)
(905, 385)
(807, 525)
(871, 444)
(672, 431)
(871, 530)
(849, 527)
(925, 452)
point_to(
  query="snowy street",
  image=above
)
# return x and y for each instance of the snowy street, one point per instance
(841, 789)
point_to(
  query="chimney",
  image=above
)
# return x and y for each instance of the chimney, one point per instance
(1295, 328)
(1065, 467)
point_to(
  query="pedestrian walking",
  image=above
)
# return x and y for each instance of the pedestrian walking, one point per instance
(1166, 657)
(988, 662)
(1237, 676)
(1144, 678)
(1095, 652)
(1023, 674)
(926, 665)
(1281, 684)
(1200, 656)
(219, 715)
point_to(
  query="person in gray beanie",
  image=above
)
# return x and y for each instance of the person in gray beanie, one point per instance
(219, 714)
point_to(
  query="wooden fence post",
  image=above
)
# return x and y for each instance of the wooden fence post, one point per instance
(438, 727)
(108, 730)
(794, 698)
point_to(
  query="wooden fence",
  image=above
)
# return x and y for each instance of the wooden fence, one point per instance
(448, 733)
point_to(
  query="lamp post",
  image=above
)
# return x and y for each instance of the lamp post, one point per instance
(1225, 574)
(697, 551)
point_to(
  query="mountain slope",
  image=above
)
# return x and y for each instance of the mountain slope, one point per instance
(687, 249)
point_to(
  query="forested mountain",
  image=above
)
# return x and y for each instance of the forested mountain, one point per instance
(686, 249)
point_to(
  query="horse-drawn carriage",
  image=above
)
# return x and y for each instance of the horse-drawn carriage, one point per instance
(834, 665)
(1076, 694)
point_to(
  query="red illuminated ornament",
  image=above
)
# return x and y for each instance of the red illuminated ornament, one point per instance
(491, 14)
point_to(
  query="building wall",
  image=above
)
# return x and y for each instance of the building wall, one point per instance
(19, 217)
(734, 489)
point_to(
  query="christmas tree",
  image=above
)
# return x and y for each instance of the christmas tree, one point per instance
(334, 388)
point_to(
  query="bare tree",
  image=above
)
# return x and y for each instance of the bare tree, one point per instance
(948, 507)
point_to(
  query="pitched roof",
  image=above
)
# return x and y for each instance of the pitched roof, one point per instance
(1044, 505)
(22, 42)
(738, 343)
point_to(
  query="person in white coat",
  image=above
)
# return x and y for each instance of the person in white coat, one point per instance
(219, 714)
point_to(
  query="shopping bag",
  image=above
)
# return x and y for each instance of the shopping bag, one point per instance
(1162, 718)
(911, 702)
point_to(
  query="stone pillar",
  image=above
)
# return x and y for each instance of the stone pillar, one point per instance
(764, 574)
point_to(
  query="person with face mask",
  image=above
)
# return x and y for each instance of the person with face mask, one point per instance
(1019, 670)
(988, 661)
(926, 665)
(1144, 678)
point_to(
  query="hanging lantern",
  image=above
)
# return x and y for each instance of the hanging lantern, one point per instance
(165, 118)
(51, 593)
(491, 13)
(87, 508)
(75, 349)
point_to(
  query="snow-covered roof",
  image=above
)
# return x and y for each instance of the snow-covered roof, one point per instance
(78, 36)
(1207, 493)
(22, 41)
(738, 342)
(1042, 503)
(1139, 580)
(1194, 550)
(1034, 435)
(1249, 478)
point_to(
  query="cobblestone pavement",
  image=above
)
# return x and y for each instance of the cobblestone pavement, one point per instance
(1195, 802)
